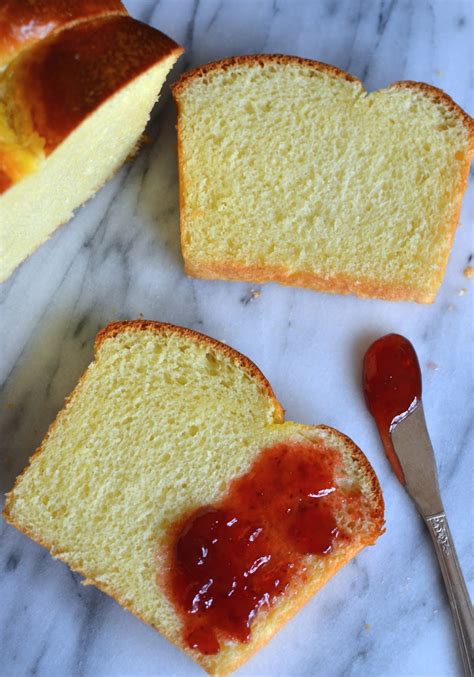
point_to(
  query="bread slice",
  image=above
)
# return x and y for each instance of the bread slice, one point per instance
(291, 172)
(72, 109)
(159, 425)
(24, 22)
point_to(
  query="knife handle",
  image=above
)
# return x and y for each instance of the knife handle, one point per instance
(458, 595)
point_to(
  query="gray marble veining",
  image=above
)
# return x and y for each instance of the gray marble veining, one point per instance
(385, 613)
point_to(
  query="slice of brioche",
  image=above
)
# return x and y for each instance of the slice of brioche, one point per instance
(72, 109)
(159, 424)
(24, 22)
(291, 172)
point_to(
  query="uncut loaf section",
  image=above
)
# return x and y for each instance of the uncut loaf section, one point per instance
(73, 105)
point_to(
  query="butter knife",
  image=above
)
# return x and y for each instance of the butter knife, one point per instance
(392, 390)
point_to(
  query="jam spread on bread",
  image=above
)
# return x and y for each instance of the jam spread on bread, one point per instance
(392, 387)
(237, 556)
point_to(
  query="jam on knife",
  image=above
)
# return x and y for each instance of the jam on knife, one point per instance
(392, 387)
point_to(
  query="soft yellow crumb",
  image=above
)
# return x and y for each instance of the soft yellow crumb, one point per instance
(292, 173)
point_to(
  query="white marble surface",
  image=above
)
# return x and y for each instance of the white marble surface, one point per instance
(386, 612)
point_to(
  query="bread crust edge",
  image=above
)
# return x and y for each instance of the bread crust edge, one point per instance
(336, 284)
(435, 93)
(115, 328)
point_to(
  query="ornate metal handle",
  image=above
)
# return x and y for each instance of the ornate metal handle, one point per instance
(455, 586)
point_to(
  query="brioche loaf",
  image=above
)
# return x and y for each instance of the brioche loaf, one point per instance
(24, 22)
(291, 172)
(159, 425)
(72, 108)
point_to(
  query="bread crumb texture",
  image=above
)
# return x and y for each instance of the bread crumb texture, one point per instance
(158, 425)
(291, 171)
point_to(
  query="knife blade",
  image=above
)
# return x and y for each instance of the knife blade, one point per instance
(392, 389)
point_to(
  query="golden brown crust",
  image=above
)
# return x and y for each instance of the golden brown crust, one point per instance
(24, 22)
(161, 328)
(181, 179)
(360, 459)
(261, 59)
(302, 593)
(441, 98)
(65, 78)
(337, 284)
(5, 180)
(436, 94)
(334, 284)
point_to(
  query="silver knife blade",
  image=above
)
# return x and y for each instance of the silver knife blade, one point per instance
(392, 387)
(412, 446)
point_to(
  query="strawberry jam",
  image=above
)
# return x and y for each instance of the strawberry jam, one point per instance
(235, 557)
(392, 387)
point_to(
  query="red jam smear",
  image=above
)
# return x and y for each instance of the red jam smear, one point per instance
(392, 387)
(237, 556)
